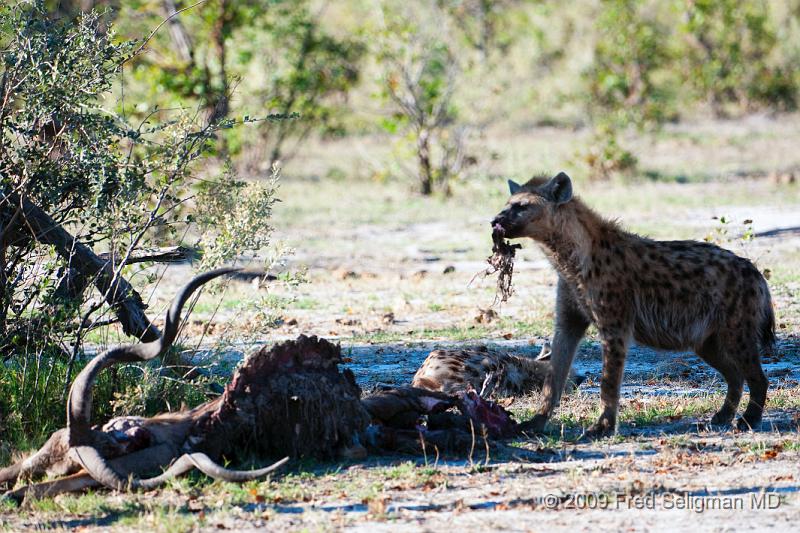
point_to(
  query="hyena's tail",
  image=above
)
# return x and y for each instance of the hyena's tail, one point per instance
(766, 331)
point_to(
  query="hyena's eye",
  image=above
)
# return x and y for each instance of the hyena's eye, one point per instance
(521, 209)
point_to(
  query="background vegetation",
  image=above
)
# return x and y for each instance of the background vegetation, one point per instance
(432, 77)
(135, 125)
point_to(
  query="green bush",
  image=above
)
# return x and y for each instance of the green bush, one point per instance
(276, 54)
(420, 74)
(628, 80)
(731, 56)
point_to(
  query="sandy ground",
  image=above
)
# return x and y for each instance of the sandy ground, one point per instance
(682, 479)
(610, 487)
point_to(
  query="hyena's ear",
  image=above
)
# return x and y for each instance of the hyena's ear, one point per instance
(514, 187)
(559, 189)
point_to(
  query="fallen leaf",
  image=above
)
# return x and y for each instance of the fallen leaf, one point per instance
(419, 275)
(506, 402)
(377, 506)
(346, 274)
(770, 454)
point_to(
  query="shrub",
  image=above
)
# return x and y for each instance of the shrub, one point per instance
(82, 190)
(730, 59)
(420, 74)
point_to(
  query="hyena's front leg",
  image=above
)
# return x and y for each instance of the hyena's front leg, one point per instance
(615, 348)
(570, 327)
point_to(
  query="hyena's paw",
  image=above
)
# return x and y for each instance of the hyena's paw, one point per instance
(751, 419)
(745, 424)
(533, 426)
(602, 428)
(723, 417)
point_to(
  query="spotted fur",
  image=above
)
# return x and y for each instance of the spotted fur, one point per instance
(672, 295)
(451, 371)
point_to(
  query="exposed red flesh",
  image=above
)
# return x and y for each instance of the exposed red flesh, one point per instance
(493, 416)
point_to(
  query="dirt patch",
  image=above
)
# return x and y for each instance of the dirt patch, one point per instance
(679, 479)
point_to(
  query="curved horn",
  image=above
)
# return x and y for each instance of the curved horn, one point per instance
(207, 466)
(79, 405)
(9, 474)
(99, 469)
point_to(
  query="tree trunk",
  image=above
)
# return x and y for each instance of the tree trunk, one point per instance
(424, 156)
(116, 291)
(218, 104)
(73, 282)
(180, 37)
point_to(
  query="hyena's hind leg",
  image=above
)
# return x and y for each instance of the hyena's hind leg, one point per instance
(713, 353)
(757, 383)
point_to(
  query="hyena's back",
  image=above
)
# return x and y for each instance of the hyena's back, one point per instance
(689, 293)
(451, 371)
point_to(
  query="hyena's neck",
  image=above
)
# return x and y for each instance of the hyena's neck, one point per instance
(578, 233)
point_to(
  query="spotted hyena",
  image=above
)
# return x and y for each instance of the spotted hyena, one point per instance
(672, 295)
(487, 371)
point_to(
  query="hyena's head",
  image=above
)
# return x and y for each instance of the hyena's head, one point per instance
(533, 208)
